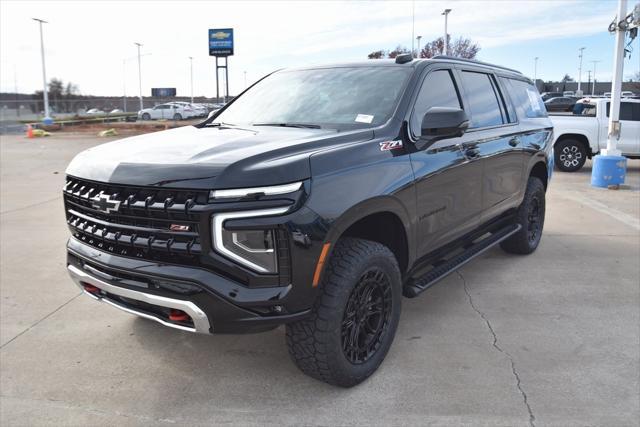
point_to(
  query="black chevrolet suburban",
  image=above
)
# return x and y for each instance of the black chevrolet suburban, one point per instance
(316, 199)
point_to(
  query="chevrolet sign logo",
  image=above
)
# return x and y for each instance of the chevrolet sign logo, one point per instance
(104, 203)
(220, 35)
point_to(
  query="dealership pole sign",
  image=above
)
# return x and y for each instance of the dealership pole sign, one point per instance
(221, 42)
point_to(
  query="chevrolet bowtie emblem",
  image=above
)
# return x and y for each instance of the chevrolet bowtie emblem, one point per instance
(104, 203)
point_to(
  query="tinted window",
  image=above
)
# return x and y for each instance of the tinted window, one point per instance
(511, 112)
(526, 98)
(483, 102)
(438, 90)
(341, 97)
(628, 111)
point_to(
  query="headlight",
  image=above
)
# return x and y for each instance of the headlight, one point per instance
(272, 190)
(255, 249)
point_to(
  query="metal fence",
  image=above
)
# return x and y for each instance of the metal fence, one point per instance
(15, 110)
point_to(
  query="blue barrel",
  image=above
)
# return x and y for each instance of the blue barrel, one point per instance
(608, 170)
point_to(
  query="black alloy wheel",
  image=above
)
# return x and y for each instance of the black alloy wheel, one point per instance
(534, 223)
(366, 317)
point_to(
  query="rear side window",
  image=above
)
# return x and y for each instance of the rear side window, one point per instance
(438, 90)
(628, 111)
(526, 98)
(511, 112)
(584, 109)
(483, 101)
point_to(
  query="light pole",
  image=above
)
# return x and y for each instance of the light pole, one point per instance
(139, 74)
(593, 88)
(535, 70)
(580, 69)
(191, 72)
(445, 46)
(610, 167)
(44, 73)
(124, 78)
(418, 38)
(413, 23)
(616, 85)
(124, 85)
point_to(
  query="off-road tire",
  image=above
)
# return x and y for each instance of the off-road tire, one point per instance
(570, 155)
(316, 343)
(530, 216)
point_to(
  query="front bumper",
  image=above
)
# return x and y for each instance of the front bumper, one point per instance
(107, 291)
(152, 289)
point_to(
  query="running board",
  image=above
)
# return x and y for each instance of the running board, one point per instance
(440, 270)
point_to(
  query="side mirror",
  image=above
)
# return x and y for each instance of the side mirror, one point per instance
(442, 123)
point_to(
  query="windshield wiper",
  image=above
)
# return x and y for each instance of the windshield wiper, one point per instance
(218, 124)
(290, 125)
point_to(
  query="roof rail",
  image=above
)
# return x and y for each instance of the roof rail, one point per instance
(473, 61)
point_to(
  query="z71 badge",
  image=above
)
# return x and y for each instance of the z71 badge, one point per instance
(390, 145)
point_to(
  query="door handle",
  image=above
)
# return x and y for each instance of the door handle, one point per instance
(472, 153)
(514, 141)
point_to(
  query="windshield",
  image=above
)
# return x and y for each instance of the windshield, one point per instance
(328, 98)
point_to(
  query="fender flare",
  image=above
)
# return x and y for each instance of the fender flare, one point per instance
(374, 205)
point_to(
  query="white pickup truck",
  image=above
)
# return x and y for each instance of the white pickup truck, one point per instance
(583, 134)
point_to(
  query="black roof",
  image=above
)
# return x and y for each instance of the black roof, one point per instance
(414, 63)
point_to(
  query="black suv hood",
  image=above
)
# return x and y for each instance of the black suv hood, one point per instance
(209, 157)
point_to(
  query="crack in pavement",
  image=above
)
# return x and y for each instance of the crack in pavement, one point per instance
(62, 404)
(36, 323)
(532, 417)
(30, 206)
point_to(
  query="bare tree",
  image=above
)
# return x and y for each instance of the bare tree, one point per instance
(70, 90)
(377, 54)
(464, 48)
(461, 48)
(399, 50)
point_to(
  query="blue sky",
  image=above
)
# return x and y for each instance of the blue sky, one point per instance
(91, 42)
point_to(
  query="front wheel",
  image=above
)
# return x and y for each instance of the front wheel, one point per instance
(570, 155)
(146, 116)
(354, 319)
(177, 116)
(530, 216)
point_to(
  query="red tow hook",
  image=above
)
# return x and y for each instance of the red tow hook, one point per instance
(178, 316)
(90, 288)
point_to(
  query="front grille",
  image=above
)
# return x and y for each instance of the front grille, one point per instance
(141, 226)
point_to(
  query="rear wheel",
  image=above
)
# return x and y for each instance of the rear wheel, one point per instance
(570, 155)
(177, 116)
(354, 320)
(530, 216)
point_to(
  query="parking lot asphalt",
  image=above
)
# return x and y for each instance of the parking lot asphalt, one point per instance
(547, 339)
